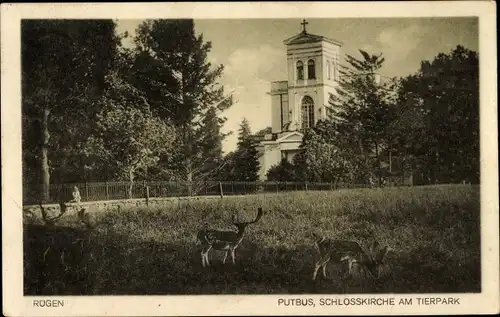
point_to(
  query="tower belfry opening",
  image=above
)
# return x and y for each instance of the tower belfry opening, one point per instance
(298, 102)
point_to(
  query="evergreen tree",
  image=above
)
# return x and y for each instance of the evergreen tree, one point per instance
(181, 86)
(245, 158)
(364, 110)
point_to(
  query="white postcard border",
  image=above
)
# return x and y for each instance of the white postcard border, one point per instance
(15, 304)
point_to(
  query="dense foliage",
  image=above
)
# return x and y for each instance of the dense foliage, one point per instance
(96, 111)
(426, 124)
(93, 110)
(64, 64)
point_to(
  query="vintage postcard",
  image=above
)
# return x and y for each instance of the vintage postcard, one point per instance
(249, 159)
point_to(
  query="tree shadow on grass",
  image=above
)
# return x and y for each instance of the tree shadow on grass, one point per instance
(76, 261)
(55, 259)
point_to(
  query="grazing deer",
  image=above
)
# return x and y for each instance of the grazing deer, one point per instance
(350, 251)
(224, 240)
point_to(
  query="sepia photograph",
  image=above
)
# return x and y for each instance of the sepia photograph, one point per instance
(286, 155)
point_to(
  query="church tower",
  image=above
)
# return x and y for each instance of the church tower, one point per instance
(299, 102)
(313, 74)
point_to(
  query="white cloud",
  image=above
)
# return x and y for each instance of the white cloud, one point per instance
(401, 39)
(397, 44)
(249, 71)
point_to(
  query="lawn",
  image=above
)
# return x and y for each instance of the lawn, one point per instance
(433, 231)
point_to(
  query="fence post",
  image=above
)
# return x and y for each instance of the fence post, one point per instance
(221, 192)
(86, 191)
(206, 188)
(107, 191)
(232, 187)
(306, 186)
(331, 185)
(147, 196)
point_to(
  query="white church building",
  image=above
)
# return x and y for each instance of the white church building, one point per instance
(300, 101)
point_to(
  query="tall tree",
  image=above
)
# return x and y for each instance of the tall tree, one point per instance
(63, 67)
(245, 158)
(182, 86)
(364, 109)
(326, 155)
(440, 106)
(128, 137)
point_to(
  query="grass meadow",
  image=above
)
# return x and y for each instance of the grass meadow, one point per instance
(434, 233)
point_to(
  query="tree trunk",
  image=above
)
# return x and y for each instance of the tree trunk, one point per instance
(189, 176)
(45, 168)
(131, 178)
(379, 172)
(366, 170)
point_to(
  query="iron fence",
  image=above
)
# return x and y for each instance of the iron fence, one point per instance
(126, 190)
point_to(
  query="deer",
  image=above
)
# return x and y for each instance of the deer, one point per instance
(227, 241)
(342, 251)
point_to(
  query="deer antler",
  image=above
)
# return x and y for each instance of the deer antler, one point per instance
(52, 220)
(45, 216)
(260, 212)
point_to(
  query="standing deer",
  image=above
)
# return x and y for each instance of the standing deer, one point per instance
(224, 240)
(350, 251)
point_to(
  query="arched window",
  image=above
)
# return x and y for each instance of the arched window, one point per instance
(300, 70)
(307, 112)
(311, 70)
(328, 70)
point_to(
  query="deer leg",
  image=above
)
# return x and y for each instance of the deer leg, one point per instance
(318, 265)
(203, 257)
(349, 269)
(321, 264)
(346, 275)
(324, 269)
(206, 255)
(225, 257)
(316, 268)
(233, 256)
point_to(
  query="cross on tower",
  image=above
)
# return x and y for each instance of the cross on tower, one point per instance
(304, 23)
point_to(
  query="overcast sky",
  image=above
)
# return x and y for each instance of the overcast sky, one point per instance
(253, 52)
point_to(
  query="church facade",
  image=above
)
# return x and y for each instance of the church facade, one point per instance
(300, 101)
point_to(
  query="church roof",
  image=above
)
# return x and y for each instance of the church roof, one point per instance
(305, 37)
